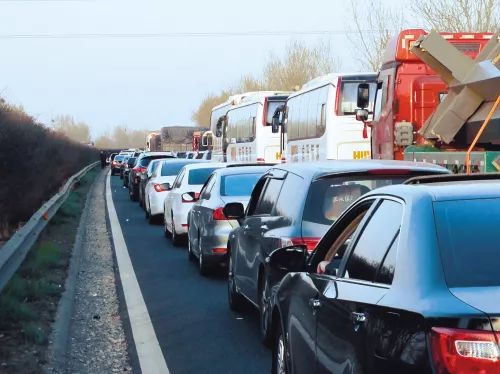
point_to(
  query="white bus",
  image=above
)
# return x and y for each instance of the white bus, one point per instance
(241, 128)
(321, 123)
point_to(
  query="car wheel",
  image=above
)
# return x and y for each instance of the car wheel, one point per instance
(175, 238)
(191, 256)
(234, 299)
(279, 354)
(202, 265)
(165, 228)
(265, 333)
(146, 214)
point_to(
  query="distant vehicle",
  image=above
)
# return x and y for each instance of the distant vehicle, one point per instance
(140, 167)
(208, 227)
(145, 178)
(204, 155)
(406, 281)
(321, 122)
(190, 154)
(181, 154)
(295, 204)
(110, 158)
(177, 203)
(123, 164)
(159, 185)
(116, 164)
(126, 170)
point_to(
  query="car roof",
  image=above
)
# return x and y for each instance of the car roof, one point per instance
(320, 169)
(204, 165)
(146, 154)
(243, 170)
(445, 191)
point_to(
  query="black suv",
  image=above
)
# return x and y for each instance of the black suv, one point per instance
(296, 204)
(140, 168)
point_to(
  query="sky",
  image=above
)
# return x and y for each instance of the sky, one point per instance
(147, 64)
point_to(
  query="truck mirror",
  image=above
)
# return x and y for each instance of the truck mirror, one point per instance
(363, 95)
(361, 115)
(218, 126)
(275, 125)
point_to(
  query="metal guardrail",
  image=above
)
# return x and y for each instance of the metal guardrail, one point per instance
(14, 251)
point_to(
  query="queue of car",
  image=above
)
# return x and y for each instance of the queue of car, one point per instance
(354, 266)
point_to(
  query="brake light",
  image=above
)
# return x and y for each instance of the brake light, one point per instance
(337, 97)
(160, 187)
(464, 351)
(264, 115)
(219, 251)
(309, 242)
(260, 160)
(389, 171)
(283, 160)
(218, 214)
(139, 169)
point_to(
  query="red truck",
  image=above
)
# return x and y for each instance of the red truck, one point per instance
(408, 92)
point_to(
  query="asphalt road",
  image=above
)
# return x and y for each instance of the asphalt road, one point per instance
(195, 328)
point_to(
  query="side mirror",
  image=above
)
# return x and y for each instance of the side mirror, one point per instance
(189, 197)
(275, 125)
(218, 126)
(234, 210)
(363, 95)
(361, 115)
(288, 259)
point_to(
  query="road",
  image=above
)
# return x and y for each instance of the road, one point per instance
(196, 330)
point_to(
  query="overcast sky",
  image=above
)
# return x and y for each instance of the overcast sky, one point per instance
(137, 79)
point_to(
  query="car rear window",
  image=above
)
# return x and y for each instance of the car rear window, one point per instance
(172, 168)
(329, 197)
(146, 160)
(469, 241)
(119, 158)
(239, 184)
(199, 176)
(131, 161)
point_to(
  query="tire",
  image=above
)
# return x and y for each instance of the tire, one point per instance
(202, 265)
(191, 256)
(235, 300)
(280, 365)
(265, 331)
(147, 215)
(176, 241)
(165, 229)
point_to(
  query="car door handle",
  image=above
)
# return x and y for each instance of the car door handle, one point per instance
(264, 227)
(246, 227)
(314, 303)
(358, 317)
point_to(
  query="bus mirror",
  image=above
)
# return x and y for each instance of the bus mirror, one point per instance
(363, 95)
(275, 125)
(361, 115)
(218, 127)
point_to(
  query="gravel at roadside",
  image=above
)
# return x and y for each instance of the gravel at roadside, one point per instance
(97, 342)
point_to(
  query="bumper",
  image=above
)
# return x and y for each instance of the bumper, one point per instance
(214, 244)
(180, 218)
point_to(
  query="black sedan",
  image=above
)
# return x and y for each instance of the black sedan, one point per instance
(406, 281)
(296, 204)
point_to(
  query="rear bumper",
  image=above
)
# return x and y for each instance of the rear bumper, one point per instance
(156, 202)
(212, 244)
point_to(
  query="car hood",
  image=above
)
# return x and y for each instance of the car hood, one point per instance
(485, 299)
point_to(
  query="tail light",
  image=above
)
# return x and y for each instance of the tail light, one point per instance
(218, 215)
(196, 197)
(260, 160)
(139, 169)
(309, 242)
(219, 251)
(160, 187)
(337, 97)
(464, 351)
(264, 116)
(283, 160)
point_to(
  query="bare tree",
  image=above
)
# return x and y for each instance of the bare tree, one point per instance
(300, 64)
(459, 15)
(373, 25)
(77, 131)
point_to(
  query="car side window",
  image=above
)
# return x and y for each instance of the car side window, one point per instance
(289, 204)
(269, 197)
(207, 187)
(372, 245)
(178, 180)
(254, 197)
(385, 273)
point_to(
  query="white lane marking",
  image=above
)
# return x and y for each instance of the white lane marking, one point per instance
(148, 349)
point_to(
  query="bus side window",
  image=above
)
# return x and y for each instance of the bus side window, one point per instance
(322, 121)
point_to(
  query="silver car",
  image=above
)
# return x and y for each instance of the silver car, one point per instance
(208, 227)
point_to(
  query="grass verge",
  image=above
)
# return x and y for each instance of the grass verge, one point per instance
(29, 301)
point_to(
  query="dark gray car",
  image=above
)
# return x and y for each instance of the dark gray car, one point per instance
(296, 204)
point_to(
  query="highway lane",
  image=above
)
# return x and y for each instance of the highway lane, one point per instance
(195, 328)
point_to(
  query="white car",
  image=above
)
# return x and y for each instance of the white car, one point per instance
(159, 184)
(176, 208)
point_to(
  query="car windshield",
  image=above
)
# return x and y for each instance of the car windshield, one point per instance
(469, 241)
(329, 197)
(239, 184)
(119, 158)
(171, 168)
(199, 176)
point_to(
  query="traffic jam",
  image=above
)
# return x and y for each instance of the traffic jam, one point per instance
(356, 218)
